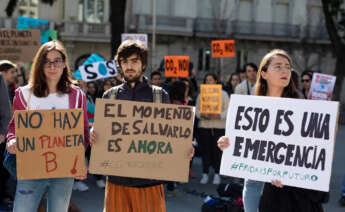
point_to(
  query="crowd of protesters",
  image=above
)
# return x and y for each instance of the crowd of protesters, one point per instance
(44, 84)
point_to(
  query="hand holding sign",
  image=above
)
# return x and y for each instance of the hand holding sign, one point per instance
(176, 66)
(223, 48)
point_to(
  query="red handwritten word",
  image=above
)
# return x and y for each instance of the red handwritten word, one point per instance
(61, 141)
(49, 161)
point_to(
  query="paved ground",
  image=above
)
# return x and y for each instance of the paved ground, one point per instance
(92, 201)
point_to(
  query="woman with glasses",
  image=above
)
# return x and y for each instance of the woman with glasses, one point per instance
(274, 79)
(306, 76)
(50, 87)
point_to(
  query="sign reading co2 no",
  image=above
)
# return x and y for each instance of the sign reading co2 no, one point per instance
(223, 48)
(176, 66)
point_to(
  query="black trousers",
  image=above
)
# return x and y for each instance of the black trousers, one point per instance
(210, 153)
(4, 175)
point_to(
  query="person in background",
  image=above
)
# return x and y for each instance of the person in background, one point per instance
(192, 78)
(92, 90)
(243, 75)
(107, 84)
(50, 87)
(233, 81)
(190, 92)
(246, 86)
(9, 72)
(177, 96)
(5, 116)
(210, 128)
(21, 77)
(306, 78)
(156, 78)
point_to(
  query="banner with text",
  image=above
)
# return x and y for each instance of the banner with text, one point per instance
(50, 143)
(19, 45)
(210, 99)
(134, 36)
(291, 140)
(223, 48)
(98, 70)
(40, 24)
(322, 86)
(142, 140)
(176, 66)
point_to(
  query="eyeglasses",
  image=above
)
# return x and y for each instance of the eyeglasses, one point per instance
(56, 64)
(305, 80)
(279, 68)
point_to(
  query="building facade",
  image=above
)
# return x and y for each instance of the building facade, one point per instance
(188, 27)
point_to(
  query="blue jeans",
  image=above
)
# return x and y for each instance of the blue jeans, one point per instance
(251, 195)
(29, 194)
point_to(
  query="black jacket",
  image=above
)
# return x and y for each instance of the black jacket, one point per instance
(291, 199)
(142, 92)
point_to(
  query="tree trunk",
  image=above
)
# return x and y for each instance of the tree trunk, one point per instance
(117, 20)
(338, 47)
(339, 72)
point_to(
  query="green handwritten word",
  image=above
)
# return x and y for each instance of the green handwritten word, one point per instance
(143, 146)
(273, 172)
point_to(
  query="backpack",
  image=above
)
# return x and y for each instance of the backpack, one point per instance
(156, 93)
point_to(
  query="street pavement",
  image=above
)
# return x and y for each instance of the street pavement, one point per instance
(92, 200)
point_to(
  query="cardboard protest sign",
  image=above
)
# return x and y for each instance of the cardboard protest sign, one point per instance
(291, 140)
(142, 140)
(322, 86)
(223, 48)
(40, 24)
(98, 70)
(134, 36)
(176, 66)
(19, 45)
(210, 99)
(50, 143)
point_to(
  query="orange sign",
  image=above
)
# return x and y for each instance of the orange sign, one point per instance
(210, 99)
(223, 48)
(176, 66)
(50, 143)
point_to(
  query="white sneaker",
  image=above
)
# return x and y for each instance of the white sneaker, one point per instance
(204, 178)
(100, 183)
(216, 179)
(80, 186)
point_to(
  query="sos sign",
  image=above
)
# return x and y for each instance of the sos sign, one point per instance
(98, 70)
(223, 48)
(176, 66)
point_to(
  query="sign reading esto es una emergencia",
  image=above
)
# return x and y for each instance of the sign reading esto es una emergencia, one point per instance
(291, 140)
(142, 140)
(50, 143)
